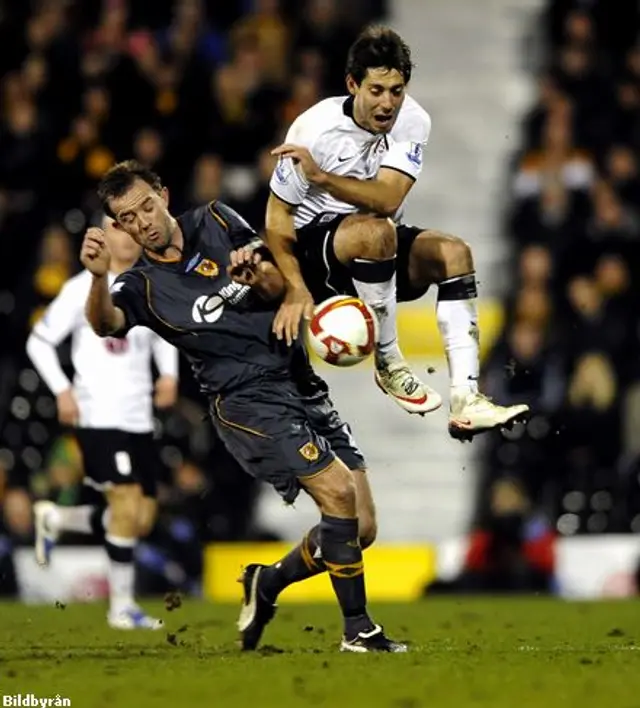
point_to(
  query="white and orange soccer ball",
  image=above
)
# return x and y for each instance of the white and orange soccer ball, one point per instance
(343, 330)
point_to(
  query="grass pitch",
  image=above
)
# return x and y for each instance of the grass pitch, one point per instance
(498, 653)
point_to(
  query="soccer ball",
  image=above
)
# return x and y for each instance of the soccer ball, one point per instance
(343, 330)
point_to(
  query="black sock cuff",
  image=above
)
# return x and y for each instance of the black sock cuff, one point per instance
(338, 530)
(119, 553)
(368, 271)
(462, 287)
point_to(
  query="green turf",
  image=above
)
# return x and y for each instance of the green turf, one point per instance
(502, 653)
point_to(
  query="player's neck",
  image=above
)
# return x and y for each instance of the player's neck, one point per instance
(118, 267)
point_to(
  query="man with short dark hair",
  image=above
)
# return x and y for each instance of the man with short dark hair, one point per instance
(206, 284)
(343, 175)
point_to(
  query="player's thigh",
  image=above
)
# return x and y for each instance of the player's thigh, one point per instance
(326, 421)
(266, 430)
(108, 458)
(324, 275)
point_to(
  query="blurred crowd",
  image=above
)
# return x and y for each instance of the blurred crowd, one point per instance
(200, 91)
(571, 343)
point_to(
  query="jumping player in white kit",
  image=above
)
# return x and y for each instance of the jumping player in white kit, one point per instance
(334, 226)
(109, 405)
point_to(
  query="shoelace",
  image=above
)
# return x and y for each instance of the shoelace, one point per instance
(403, 376)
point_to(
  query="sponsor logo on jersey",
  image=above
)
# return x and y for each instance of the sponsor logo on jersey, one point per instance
(209, 308)
(116, 288)
(415, 154)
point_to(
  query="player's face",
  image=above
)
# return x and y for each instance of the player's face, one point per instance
(378, 99)
(143, 213)
(122, 247)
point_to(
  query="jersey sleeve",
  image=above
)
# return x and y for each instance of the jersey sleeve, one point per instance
(288, 182)
(62, 315)
(406, 153)
(128, 293)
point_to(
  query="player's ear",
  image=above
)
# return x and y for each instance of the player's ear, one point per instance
(352, 85)
(164, 193)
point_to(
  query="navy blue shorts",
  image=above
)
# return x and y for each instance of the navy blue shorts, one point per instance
(280, 437)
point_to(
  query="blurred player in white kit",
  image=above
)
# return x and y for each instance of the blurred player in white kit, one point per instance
(110, 407)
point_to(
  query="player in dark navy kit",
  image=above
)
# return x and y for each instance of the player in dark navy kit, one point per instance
(207, 285)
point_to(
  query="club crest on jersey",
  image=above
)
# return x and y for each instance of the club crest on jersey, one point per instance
(415, 154)
(207, 268)
(310, 452)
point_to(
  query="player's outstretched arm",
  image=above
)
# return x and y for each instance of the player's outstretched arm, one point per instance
(104, 317)
(298, 302)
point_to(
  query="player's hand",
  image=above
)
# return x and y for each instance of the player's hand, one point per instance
(166, 392)
(297, 304)
(68, 411)
(302, 157)
(243, 266)
(94, 254)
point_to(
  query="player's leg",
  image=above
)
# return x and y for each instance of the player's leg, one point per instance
(112, 463)
(305, 560)
(431, 257)
(367, 246)
(51, 520)
(132, 513)
(269, 434)
(355, 254)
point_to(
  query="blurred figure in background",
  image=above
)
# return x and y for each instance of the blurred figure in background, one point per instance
(109, 406)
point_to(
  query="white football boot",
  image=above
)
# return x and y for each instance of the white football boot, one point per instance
(398, 381)
(475, 413)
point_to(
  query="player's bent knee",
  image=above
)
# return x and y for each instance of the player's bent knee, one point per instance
(124, 509)
(372, 238)
(333, 490)
(382, 243)
(456, 256)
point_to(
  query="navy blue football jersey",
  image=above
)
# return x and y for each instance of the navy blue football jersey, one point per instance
(223, 328)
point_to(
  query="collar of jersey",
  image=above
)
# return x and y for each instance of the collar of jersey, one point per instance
(347, 109)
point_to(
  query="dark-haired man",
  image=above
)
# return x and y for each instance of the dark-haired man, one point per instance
(344, 172)
(205, 283)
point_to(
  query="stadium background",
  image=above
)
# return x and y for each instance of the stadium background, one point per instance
(532, 159)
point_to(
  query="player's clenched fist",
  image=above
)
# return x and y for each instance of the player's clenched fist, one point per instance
(94, 254)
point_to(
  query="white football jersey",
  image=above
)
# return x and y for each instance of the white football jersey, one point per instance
(340, 146)
(113, 382)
